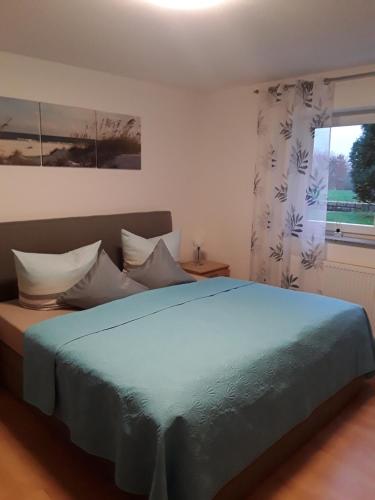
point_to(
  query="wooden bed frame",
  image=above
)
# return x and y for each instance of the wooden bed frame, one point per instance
(240, 486)
(148, 225)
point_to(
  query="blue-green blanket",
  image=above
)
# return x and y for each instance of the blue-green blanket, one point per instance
(183, 387)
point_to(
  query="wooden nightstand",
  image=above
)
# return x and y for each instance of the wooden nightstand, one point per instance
(207, 269)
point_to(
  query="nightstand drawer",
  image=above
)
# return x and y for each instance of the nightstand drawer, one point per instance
(217, 274)
(206, 269)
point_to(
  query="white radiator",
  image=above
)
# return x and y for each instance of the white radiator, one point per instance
(353, 283)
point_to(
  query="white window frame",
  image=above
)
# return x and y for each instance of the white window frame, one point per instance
(353, 230)
(347, 117)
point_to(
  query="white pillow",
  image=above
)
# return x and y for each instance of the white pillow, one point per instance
(43, 277)
(136, 250)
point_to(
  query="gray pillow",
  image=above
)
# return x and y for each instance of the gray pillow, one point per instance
(103, 283)
(160, 269)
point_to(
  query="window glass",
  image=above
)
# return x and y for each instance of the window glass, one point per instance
(351, 184)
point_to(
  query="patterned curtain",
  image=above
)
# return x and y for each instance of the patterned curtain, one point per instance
(291, 184)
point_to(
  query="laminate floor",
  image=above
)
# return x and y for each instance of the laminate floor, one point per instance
(36, 463)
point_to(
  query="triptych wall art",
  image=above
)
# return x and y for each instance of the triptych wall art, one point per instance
(50, 135)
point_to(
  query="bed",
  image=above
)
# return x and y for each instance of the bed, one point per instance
(193, 391)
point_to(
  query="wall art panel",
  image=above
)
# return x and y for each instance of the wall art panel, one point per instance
(68, 136)
(19, 132)
(51, 135)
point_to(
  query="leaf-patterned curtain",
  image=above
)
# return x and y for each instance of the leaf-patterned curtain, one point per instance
(290, 185)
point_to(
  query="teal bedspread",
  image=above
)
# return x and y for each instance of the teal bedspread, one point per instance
(183, 387)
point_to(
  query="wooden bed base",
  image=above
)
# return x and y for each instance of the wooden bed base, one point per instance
(11, 370)
(241, 486)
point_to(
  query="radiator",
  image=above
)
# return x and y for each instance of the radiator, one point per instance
(352, 283)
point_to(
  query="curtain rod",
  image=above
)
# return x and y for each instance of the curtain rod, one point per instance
(355, 76)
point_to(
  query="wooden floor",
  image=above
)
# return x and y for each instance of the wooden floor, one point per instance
(36, 463)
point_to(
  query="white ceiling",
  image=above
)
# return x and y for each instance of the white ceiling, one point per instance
(243, 41)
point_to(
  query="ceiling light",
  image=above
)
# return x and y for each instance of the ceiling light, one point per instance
(187, 4)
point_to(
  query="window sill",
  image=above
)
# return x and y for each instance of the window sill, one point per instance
(348, 240)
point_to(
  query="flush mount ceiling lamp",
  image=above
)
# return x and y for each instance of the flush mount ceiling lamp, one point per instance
(187, 4)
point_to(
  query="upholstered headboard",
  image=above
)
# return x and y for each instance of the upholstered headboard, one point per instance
(62, 235)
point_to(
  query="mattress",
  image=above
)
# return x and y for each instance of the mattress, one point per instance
(15, 320)
(185, 386)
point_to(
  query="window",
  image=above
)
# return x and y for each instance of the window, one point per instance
(351, 183)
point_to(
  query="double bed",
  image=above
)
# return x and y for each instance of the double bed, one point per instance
(192, 391)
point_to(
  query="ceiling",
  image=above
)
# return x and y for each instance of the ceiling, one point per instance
(240, 42)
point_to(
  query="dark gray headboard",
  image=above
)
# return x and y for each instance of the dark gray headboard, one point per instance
(62, 235)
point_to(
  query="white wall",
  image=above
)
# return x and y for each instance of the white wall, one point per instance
(225, 177)
(168, 147)
(197, 159)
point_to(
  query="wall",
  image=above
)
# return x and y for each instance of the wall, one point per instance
(225, 177)
(228, 154)
(197, 160)
(168, 152)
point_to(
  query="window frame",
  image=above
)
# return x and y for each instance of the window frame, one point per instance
(335, 230)
(361, 230)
